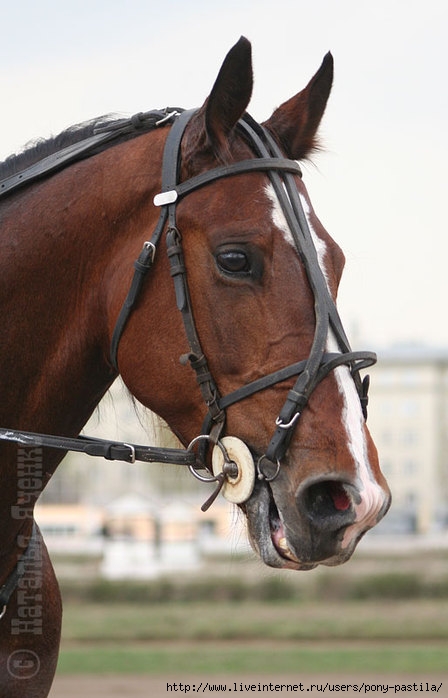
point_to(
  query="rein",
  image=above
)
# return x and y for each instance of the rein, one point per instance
(281, 172)
(8, 588)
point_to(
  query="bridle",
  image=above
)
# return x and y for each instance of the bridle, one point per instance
(309, 372)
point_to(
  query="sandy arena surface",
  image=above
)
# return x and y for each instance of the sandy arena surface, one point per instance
(151, 687)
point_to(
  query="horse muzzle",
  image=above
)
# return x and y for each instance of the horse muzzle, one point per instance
(323, 525)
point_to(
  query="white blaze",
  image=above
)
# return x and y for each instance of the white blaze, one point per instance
(372, 496)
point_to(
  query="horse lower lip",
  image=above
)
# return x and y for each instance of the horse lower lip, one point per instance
(286, 552)
(278, 535)
(282, 547)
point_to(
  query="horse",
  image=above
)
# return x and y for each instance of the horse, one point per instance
(232, 335)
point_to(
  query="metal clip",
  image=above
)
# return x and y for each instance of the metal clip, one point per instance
(281, 425)
(166, 118)
(261, 474)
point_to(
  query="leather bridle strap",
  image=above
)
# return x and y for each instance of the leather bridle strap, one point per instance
(102, 137)
(110, 450)
(171, 192)
(170, 176)
(281, 172)
(265, 164)
(10, 585)
(358, 360)
(142, 266)
(327, 317)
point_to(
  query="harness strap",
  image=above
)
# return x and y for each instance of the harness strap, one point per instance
(326, 313)
(261, 164)
(170, 176)
(195, 356)
(146, 258)
(110, 450)
(8, 588)
(142, 265)
(111, 132)
(357, 360)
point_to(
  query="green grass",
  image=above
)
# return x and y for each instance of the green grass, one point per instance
(425, 620)
(231, 637)
(201, 658)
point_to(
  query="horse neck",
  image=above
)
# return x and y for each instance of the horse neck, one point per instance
(59, 240)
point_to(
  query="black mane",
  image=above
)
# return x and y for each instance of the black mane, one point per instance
(41, 148)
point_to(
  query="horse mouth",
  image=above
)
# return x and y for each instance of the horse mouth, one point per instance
(278, 533)
(267, 531)
(306, 547)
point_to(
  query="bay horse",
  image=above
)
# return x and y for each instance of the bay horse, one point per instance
(232, 336)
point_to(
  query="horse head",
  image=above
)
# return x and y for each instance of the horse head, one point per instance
(257, 303)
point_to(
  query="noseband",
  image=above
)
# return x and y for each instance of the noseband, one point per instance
(310, 372)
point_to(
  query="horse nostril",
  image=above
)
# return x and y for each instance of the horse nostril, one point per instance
(325, 500)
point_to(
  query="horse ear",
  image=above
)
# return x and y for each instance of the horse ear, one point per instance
(295, 123)
(230, 95)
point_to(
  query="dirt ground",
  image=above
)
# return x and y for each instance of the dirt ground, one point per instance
(150, 687)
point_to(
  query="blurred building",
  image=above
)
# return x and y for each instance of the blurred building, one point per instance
(408, 419)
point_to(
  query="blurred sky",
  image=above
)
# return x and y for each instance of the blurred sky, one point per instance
(379, 187)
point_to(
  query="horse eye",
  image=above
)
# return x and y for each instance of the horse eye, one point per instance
(233, 262)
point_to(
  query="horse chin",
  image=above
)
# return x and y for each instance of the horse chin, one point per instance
(269, 539)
